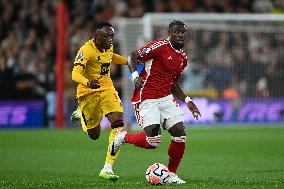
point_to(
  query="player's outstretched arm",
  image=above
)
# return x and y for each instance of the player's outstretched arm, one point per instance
(177, 92)
(118, 59)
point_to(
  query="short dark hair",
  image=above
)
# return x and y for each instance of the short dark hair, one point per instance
(103, 24)
(176, 23)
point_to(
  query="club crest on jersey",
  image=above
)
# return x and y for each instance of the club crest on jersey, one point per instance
(79, 56)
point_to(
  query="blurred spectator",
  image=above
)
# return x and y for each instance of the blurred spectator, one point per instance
(261, 88)
(243, 6)
(275, 75)
(135, 8)
(160, 6)
(7, 85)
(207, 6)
(230, 93)
(240, 67)
(220, 63)
(263, 6)
(25, 84)
(194, 78)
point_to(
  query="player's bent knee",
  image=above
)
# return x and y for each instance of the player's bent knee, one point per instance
(94, 136)
(154, 141)
(117, 124)
(181, 132)
(177, 130)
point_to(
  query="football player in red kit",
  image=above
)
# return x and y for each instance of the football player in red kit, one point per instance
(153, 99)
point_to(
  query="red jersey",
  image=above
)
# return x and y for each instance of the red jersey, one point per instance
(163, 65)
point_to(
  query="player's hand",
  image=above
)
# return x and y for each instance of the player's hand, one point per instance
(138, 82)
(194, 110)
(93, 84)
(76, 115)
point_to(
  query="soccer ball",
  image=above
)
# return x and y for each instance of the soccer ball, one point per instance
(157, 174)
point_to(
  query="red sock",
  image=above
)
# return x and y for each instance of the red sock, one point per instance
(175, 152)
(138, 139)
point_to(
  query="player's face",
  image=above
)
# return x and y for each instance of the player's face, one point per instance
(104, 37)
(177, 36)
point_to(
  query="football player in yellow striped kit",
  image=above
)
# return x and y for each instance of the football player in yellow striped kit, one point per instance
(96, 94)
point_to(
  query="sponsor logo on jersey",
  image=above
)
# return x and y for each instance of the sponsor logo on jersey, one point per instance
(105, 68)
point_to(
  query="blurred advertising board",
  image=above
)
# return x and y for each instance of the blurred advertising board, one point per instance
(22, 114)
(251, 110)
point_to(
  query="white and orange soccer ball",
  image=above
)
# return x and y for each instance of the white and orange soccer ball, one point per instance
(157, 174)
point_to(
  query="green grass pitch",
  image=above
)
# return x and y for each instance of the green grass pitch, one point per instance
(215, 157)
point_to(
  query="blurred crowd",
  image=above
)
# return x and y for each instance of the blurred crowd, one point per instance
(28, 38)
(235, 64)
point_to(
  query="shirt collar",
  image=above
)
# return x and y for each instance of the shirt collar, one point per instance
(178, 51)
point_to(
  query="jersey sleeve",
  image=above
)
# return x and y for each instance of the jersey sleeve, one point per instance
(148, 52)
(117, 59)
(77, 75)
(80, 62)
(82, 57)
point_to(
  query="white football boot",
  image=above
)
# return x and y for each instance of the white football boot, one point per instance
(117, 142)
(174, 179)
